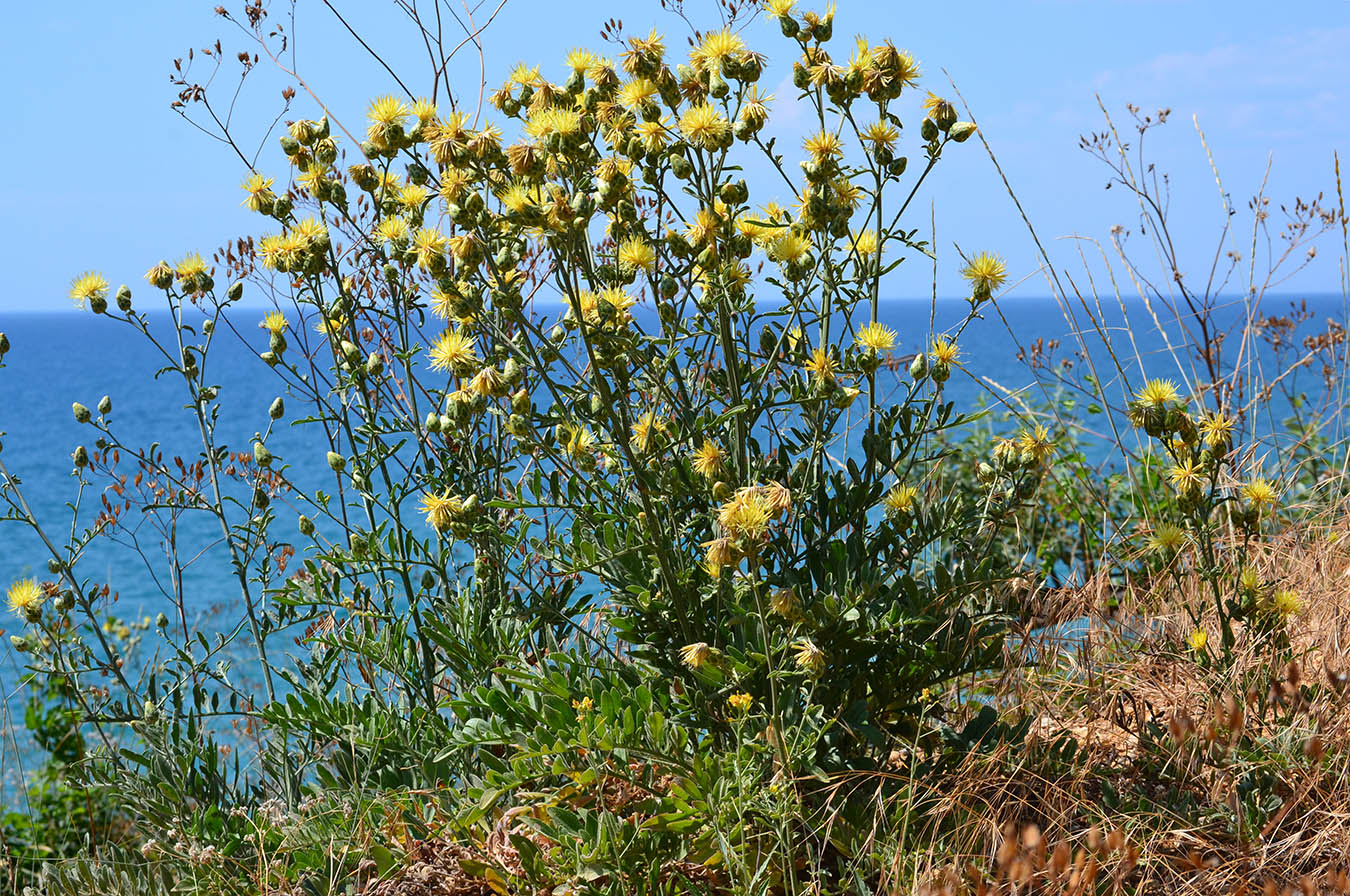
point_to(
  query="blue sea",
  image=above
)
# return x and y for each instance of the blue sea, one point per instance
(62, 357)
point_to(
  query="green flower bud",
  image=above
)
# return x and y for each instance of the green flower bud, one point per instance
(428, 580)
(918, 367)
(81, 457)
(928, 130)
(98, 304)
(261, 456)
(277, 409)
(20, 644)
(941, 371)
(961, 131)
(260, 499)
(161, 621)
(208, 326)
(433, 423)
(471, 506)
(281, 208)
(336, 462)
(123, 298)
(270, 359)
(351, 353)
(81, 412)
(64, 601)
(306, 525)
(105, 405)
(4, 344)
(54, 566)
(235, 291)
(276, 343)
(289, 145)
(520, 402)
(374, 364)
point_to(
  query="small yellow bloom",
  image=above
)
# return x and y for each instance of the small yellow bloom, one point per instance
(709, 461)
(1216, 429)
(636, 254)
(1260, 493)
(821, 365)
(1187, 476)
(1037, 443)
(1285, 603)
(696, 655)
(899, 501)
(741, 702)
(453, 351)
(705, 126)
(87, 286)
(809, 658)
(1197, 640)
(1158, 393)
(783, 601)
(260, 196)
(274, 322)
(876, 337)
(746, 516)
(944, 350)
(1166, 539)
(865, 243)
(986, 273)
(25, 595)
(715, 48)
(823, 146)
(441, 510)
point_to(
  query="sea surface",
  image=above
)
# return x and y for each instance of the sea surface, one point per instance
(61, 357)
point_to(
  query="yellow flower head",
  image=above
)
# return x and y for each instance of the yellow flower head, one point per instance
(790, 247)
(274, 322)
(709, 461)
(636, 254)
(880, 134)
(1260, 493)
(1166, 539)
(876, 337)
(637, 92)
(779, 9)
(1197, 640)
(653, 135)
(260, 196)
(821, 365)
(741, 702)
(705, 126)
(1036, 443)
(1216, 429)
(899, 501)
(1158, 393)
(1187, 476)
(823, 146)
(1285, 603)
(25, 595)
(580, 59)
(385, 113)
(944, 350)
(809, 658)
(453, 351)
(986, 273)
(746, 516)
(441, 510)
(393, 229)
(937, 107)
(488, 382)
(87, 286)
(646, 431)
(424, 110)
(696, 655)
(865, 243)
(715, 48)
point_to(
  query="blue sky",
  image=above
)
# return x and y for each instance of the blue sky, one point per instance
(102, 174)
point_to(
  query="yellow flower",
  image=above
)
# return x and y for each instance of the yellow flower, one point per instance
(822, 365)
(578, 60)
(880, 134)
(636, 254)
(809, 658)
(637, 92)
(1166, 539)
(583, 706)
(715, 48)
(1286, 603)
(393, 229)
(937, 107)
(783, 601)
(779, 9)
(488, 382)
(986, 273)
(865, 243)
(190, 267)
(741, 702)
(1187, 476)
(441, 510)
(413, 196)
(705, 126)
(1260, 493)
(789, 247)
(899, 501)
(720, 553)
(1197, 640)
(1216, 429)
(25, 595)
(1037, 443)
(424, 110)
(453, 351)
(696, 655)
(260, 195)
(274, 322)
(944, 350)
(823, 146)
(87, 286)
(386, 114)
(646, 429)
(1158, 393)
(876, 337)
(746, 516)
(708, 460)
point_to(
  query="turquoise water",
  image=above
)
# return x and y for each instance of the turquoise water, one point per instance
(59, 358)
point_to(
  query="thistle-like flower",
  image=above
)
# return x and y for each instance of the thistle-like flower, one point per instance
(88, 287)
(741, 702)
(454, 351)
(1158, 394)
(708, 460)
(899, 501)
(809, 658)
(1260, 493)
(985, 272)
(696, 655)
(876, 337)
(705, 126)
(25, 596)
(441, 509)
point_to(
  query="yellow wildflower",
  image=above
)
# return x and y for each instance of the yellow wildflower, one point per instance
(25, 595)
(89, 285)
(876, 337)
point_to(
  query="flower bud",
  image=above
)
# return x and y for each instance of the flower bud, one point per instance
(98, 304)
(961, 131)
(123, 298)
(276, 343)
(270, 359)
(277, 409)
(64, 601)
(433, 423)
(918, 367)
(235, 291)
(81, 412)
(941, 371)
(162, 621)
(306, 525)
(160, 276)
(105, 405)
(20, 644)
(54, 566)
(351, 353)
(261, 456)
(928, 130)
(81, 457)
(4, 344)
(374, 364)
(336, 462)
(260, 499)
